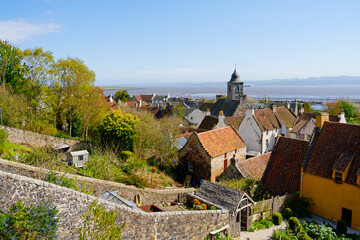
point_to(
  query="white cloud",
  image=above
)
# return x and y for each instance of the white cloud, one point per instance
(20, 30)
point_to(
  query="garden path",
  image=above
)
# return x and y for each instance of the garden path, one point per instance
(263, 234)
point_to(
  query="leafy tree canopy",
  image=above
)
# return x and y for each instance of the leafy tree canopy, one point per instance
(122, 95)
(118, 130)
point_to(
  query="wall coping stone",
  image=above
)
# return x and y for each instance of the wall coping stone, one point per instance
(107, 203)
(94, 180)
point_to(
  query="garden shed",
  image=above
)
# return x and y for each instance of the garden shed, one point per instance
(238, 203)
(78, 158)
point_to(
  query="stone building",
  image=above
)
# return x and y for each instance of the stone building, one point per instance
(250, 168)
(206, 155)
(235, 103)
(238, 203)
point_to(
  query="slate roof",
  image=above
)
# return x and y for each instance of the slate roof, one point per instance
(304, 118)
(226, 197)
(205, 106)
(219, 141)
(285, 116)
(159, 98)
(208, 122)
(235, 77)
(334, 148)
(283, 172)
(228, 106)
(266, 119)
(254, 167)
(188, 111)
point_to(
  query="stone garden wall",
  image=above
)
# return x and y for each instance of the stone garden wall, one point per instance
(147, 195)
(138, 225)
(19, 136)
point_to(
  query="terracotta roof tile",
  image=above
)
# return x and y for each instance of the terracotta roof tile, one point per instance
(285, 116)
(304, 118)
(254, 167)
(219, 141)
(335, 147)
(234, 121)
(266, 119)
(282, 174)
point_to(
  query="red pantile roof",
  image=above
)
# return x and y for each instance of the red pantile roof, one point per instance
(282, 174)
(146, 98)
(304, 118)
(285, 116)
(335, 147)
(254, 167)
(209, 122)
(219, 141)
(234, 121)
(266, 119)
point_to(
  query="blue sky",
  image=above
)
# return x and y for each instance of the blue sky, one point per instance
(134, 41)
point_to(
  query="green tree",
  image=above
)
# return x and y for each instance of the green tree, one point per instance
(122, 95)
(91, 116)
(70, 79)
(99, 224)
(307, 107)
(348, 108)
(118, 131)
(10, 67)
(38, 66)
(333, 107)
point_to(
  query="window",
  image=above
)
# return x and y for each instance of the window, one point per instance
(235, 150)
(225, 164)
(237, 88)
(267, 132)
(81, 158)
(190, 167)
(267, 142)
(191, 118)
(225, 155)
(338, 177)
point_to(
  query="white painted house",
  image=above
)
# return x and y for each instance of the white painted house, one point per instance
(194, 116)
(260, 128)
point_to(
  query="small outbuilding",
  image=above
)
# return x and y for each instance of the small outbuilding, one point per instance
(79, 158)
(238, 203)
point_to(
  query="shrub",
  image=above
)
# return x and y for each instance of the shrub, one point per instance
(99, 224)
(3, 136)
(304, 237)
(277, 218)
(287, 213)
(212, 208)
(341, 226)
(195, 201)
(293, 223)
(299, 206)
(33, 222)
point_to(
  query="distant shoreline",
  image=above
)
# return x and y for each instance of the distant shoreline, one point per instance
(118, 88)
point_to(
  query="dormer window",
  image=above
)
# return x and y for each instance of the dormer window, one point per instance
(338, 177)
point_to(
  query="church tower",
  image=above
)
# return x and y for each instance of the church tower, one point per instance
(235, 88)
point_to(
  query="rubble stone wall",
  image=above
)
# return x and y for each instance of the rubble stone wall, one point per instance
(147, 195)
(138, 225)
(33, 139)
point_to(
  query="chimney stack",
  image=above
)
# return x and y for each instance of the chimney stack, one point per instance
(221, 119)
(287, 104)
(321, 118)
(273, 107)
(341, 117)
(250, 112)
(296, 111)
(207, 113)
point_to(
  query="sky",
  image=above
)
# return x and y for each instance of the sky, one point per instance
(161, 41)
